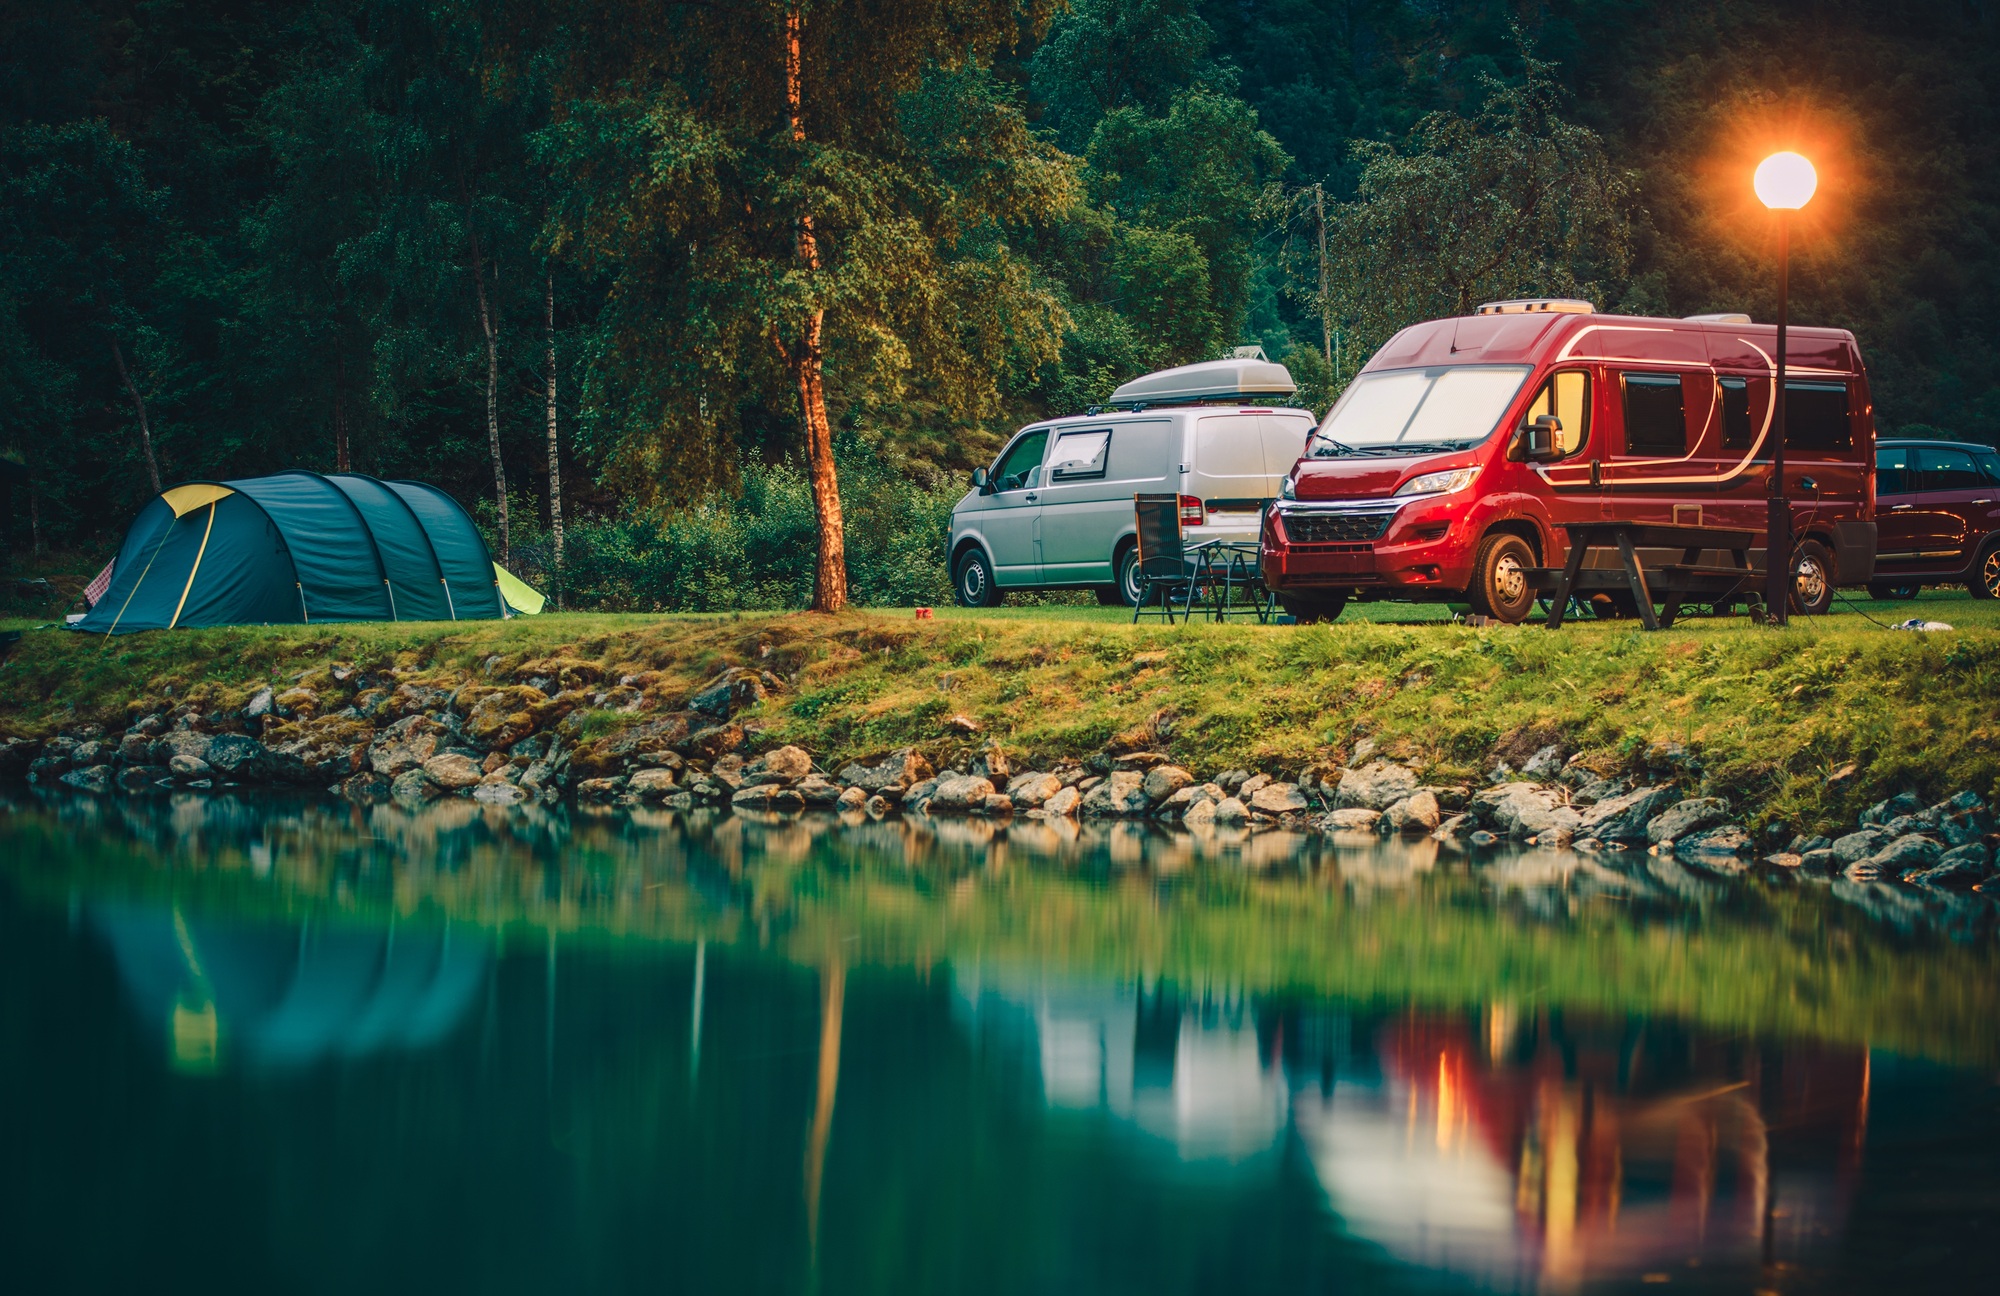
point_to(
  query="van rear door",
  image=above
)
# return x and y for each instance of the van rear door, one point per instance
(1239, 459)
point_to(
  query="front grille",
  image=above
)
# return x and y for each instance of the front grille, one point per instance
(1321, 528)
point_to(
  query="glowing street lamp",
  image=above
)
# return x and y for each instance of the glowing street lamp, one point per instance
(1784, 182)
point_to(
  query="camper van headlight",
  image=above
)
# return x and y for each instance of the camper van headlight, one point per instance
(1439, 483)
(1288, 489)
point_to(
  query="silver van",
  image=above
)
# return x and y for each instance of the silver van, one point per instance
(1054, 511)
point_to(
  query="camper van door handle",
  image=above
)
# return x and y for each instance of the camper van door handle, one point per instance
(1596, 473)
(1030, 497)
(1898, 508)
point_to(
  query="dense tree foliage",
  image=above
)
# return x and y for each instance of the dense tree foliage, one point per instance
(238, 235)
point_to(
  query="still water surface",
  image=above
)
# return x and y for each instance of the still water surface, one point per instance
(294, 1047)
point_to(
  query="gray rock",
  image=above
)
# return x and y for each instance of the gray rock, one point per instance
(1376, 786)
(1162, 781)
(502, 794)
(1031, 789)
(1278, 798)
(649, 784)
(1958, 869)
(453, 771)
(179, 742)
(1248, 787)
(1417, 813)
(900, 769)
(1593, 790)
(1882, 812)
(997, 804)
(1480, 837)
(90, 778)
(413, 787)
(789, 764)
(1729, 840)
(1544, 764)
(1231, 811)
(597, 789)
(1063, 803)
(1821, 860)
(1523, 810)
(187, 767)
(769, 796)
(1200, 811)
(1689, 816)
(261, 704)
(1122, 794)
(960, 793)
(16, 754)
(137, 778)
(1230, 780)
(92, 751)
(1351, 819)
(921, 790)
(1904, 825)
(1623, 818)
(1453, 826)
(853, 799)
(1857, 846)
(1906, 853)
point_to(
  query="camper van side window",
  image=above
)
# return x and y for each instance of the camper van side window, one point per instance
(1816, 416)
(1080, 454)
(1567, 396)
(1655, 418)
(1736, 413)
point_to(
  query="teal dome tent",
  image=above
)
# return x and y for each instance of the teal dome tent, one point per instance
(298, 547)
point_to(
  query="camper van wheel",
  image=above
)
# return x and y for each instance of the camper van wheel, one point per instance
(1985, 582)
(1127, 567)
(1500, 578)
(972, 584)
(1316, 608)
(1812, 579)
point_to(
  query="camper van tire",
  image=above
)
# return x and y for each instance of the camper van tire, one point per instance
(1985, 582)
(1126, 564)
(972, 582)
(1307, 611)
(1812, 579)
(1500, 586)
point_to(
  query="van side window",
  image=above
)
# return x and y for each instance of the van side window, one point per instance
(1655, 416)
(1567, 396)
(1945, 470)
(1892, 471)
(1816, 416)
(1736, 433)
(1080, 455)
(1017, 466)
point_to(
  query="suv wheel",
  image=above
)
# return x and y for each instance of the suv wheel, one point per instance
(1310, 610)
(1985, 582)
(1812, 579)
(1500, 578)
(972, 584)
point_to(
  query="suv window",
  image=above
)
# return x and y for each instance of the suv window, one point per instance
(1567, 396)
(1893, 475)
(1655, 418)
(1946, 470)
(1020, 461)
(1736, 430)
(1816, 416)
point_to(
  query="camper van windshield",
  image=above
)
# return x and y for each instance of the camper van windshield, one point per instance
(1408, 408)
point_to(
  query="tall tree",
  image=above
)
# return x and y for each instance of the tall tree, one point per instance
(787, 194)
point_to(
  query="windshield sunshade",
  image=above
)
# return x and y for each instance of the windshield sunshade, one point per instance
(1417, 406)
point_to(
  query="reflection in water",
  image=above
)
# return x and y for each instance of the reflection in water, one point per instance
(297, 1047)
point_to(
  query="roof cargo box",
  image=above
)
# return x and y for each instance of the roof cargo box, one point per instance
(1212, 380)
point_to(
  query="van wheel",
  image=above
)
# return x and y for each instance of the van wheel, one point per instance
(1314, 609)
(1884, 591)
(1812, 579)
(1127, 566)
(1985, 582)
(1500, 578)
(972, 584)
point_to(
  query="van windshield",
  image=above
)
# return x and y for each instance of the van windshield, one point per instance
(1449, 405)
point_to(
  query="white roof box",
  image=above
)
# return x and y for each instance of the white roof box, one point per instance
(1537, 306)
(1211, 380)
(1719, 317)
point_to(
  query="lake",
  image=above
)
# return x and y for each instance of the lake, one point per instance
(272, 1045)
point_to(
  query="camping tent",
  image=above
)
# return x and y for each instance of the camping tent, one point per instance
(298, 547)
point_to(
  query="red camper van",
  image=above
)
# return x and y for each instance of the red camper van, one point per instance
(1430, 480)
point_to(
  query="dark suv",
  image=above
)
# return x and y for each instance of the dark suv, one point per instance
(1937, 517)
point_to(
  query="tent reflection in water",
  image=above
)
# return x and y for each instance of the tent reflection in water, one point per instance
(298, 547)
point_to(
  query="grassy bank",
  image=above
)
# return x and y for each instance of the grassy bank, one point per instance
(1769, 715)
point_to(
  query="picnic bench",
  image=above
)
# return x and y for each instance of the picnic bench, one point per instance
(1678, 582)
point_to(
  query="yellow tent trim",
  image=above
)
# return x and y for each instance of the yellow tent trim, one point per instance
(519, 595)
(184, 500)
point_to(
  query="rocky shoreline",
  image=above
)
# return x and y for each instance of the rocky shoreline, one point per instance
(375, 737)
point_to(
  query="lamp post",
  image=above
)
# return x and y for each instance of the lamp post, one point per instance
(1784, 182)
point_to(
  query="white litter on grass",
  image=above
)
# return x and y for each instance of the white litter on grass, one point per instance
(1918, 623)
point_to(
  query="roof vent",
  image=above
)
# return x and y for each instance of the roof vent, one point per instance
(1212, 380)
(1537, 306)
(1720, 317)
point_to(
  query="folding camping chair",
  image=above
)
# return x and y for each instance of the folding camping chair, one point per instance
(1162, 562)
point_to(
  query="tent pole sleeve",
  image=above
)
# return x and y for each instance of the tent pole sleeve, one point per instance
(192, 571)
(141, 581)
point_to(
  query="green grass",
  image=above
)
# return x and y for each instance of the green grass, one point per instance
(1771, 713)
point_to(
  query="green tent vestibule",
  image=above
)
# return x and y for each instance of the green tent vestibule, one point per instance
(299, 547)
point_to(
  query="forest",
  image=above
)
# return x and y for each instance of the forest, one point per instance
(673, 290)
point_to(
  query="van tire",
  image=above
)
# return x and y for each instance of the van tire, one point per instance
(1126, 564)
(1310, 610)
(1812, 579)
(1499, 586)
(1985, 582)
(972, 582)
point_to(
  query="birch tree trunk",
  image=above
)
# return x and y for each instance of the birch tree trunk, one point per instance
(555, 456)
(139, 406)
(487, 327)
(807, 359)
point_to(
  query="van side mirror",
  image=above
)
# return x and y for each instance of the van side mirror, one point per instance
(979, 480)
(1539, 441)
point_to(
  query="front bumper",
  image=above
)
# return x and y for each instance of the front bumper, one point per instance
(1406, 546)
